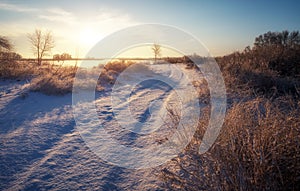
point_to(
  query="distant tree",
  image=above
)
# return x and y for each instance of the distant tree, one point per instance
(56, 57)
(278, 51)
(6, 50)
(284, 38)
(41, 43)
(10, 56)
(62, 57)
(156, 50)
(65, 56)
(5, 45)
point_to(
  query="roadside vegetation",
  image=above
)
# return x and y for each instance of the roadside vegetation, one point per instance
(259, 145)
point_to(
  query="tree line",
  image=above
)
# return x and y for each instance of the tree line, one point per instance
(278, 51)
(41, 44)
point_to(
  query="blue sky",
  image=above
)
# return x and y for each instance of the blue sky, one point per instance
(223, 26)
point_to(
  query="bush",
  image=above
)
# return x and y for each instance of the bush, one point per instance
(54, 80)
(243, 76)
(11, 69)
(112, 70)
(117, 66)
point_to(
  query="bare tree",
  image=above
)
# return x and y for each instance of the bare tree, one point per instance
(41, 43)
(156, 50)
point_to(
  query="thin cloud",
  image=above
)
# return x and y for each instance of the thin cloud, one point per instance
(69, 28)
(112, 19)
(110, 14)
(58, 14)
(16, 8)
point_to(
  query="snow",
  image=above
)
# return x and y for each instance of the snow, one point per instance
(41, 147)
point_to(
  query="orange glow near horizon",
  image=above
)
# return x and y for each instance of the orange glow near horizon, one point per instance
(145, 51)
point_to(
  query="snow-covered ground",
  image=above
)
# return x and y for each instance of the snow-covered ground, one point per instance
(41, 148)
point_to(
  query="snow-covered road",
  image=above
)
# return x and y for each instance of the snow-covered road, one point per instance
(41, 148)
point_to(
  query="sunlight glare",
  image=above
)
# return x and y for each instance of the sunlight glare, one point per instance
(89, 37)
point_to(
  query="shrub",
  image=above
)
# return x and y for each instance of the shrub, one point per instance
(54, 80)
(117, 66)
(12, 69)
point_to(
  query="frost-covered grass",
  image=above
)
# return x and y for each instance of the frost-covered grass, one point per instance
(53, 79)
(17, 70)
(257, 149)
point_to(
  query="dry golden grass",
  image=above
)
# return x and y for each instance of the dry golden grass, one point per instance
(259, 145)
(248, 74)
(57, 79)
(257, 149)
(117, 66)
(54, 80)
(16, 70)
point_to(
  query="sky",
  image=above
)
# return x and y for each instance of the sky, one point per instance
(222, 26)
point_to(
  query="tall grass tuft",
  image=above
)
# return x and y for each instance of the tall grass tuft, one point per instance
(257, 149)
(54, 80)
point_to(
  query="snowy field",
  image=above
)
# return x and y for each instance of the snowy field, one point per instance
(41, 148)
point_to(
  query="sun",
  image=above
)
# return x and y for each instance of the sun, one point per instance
(89, 37)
